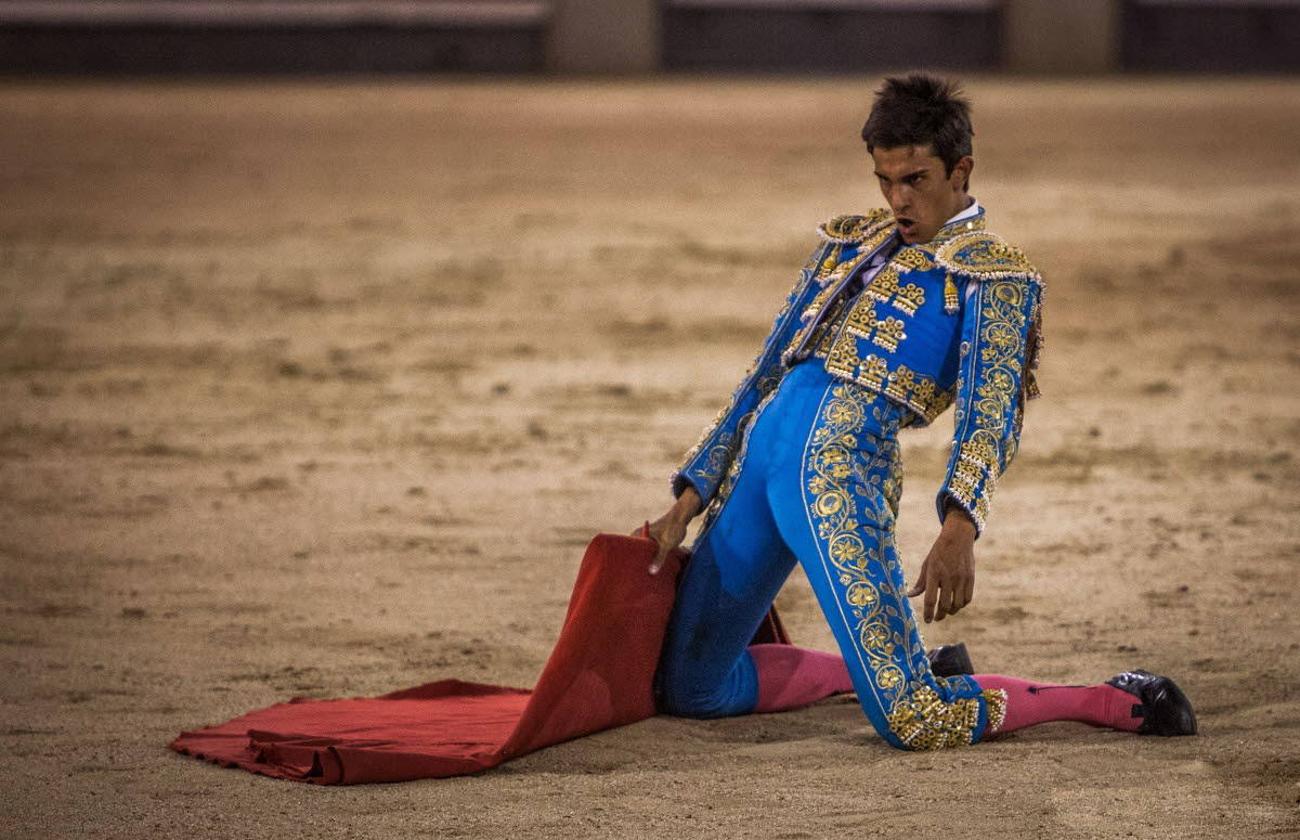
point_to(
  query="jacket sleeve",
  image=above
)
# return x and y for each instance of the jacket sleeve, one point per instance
(999, 337)
(705, 466)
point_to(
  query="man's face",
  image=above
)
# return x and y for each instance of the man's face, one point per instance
(920, 193)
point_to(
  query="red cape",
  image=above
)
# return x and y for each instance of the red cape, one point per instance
(599, 676)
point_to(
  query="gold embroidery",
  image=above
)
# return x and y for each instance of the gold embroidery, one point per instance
(923, 721)
(985, 451)
(884, 285)
(862, 318)
(814, 307)
(889, 333)
(909, 298)
(985, 256)
(916, 391)
(716, 461)
(914, 259)
(995, 700)
(832, 259)
(852, 230)
(767, 387)
(901, 382)
(915, 713)
(873, 372)
(823, 347)
(950, 301)
(824, 333)
(830, 466)
(865, 248)
(957, 228)
(842, 361)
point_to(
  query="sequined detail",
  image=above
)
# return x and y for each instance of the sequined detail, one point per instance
(861, 320)
(889, 332)
(915, 258)
(886, 287)
(923, 721)
(814, 308)
(995, 700)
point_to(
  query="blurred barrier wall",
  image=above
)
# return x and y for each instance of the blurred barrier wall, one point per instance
(831, 35)
(39, 37)
(271, 36)
(1220, 37)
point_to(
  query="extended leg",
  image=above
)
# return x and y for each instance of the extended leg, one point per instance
(1135, 701)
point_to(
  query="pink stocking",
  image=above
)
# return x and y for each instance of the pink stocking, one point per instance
(789, 676)
(1030, 703)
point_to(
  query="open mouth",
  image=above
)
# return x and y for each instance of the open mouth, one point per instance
(906, 226)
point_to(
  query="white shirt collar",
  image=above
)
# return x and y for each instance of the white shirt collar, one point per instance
(968, 213)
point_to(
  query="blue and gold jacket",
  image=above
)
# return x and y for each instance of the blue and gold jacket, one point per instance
(955, 319)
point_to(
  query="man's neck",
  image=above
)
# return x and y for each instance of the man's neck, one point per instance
(965, 207)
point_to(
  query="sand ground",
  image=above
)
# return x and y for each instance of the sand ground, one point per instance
(320, 389)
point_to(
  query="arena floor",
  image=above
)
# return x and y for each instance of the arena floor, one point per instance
(318, 389)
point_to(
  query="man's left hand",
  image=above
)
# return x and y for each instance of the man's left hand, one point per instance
(948, 574)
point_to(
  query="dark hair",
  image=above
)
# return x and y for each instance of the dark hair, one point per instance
(920, 109)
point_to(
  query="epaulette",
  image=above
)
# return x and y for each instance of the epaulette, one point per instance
(852, 230)
(985, 256)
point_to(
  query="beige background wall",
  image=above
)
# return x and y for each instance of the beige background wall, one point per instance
(604, 36)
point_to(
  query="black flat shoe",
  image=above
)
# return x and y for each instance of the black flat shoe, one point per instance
(1164, 709)
(950, 661)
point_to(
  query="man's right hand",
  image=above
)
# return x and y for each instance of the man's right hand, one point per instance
(669, 530)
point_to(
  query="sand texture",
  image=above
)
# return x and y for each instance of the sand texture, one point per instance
(317, 389)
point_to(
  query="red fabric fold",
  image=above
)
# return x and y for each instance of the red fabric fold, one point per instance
(599, 676)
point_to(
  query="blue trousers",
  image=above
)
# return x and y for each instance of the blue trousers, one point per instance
(816, 481)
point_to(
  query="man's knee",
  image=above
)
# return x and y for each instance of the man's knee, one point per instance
(683, 694)
(697, 706)
(922, 720)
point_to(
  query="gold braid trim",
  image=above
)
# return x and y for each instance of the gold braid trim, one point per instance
(923, 721)
(995, 700)
(984, 256)
(853, 230)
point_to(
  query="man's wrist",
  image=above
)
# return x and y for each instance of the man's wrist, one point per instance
(958, 522)
(688, 504)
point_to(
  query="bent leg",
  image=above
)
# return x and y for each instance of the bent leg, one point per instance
(839, 522)
(736, 569)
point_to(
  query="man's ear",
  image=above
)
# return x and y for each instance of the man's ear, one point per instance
(961, 171)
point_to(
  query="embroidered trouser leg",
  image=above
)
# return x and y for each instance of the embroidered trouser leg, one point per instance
(817, 480)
